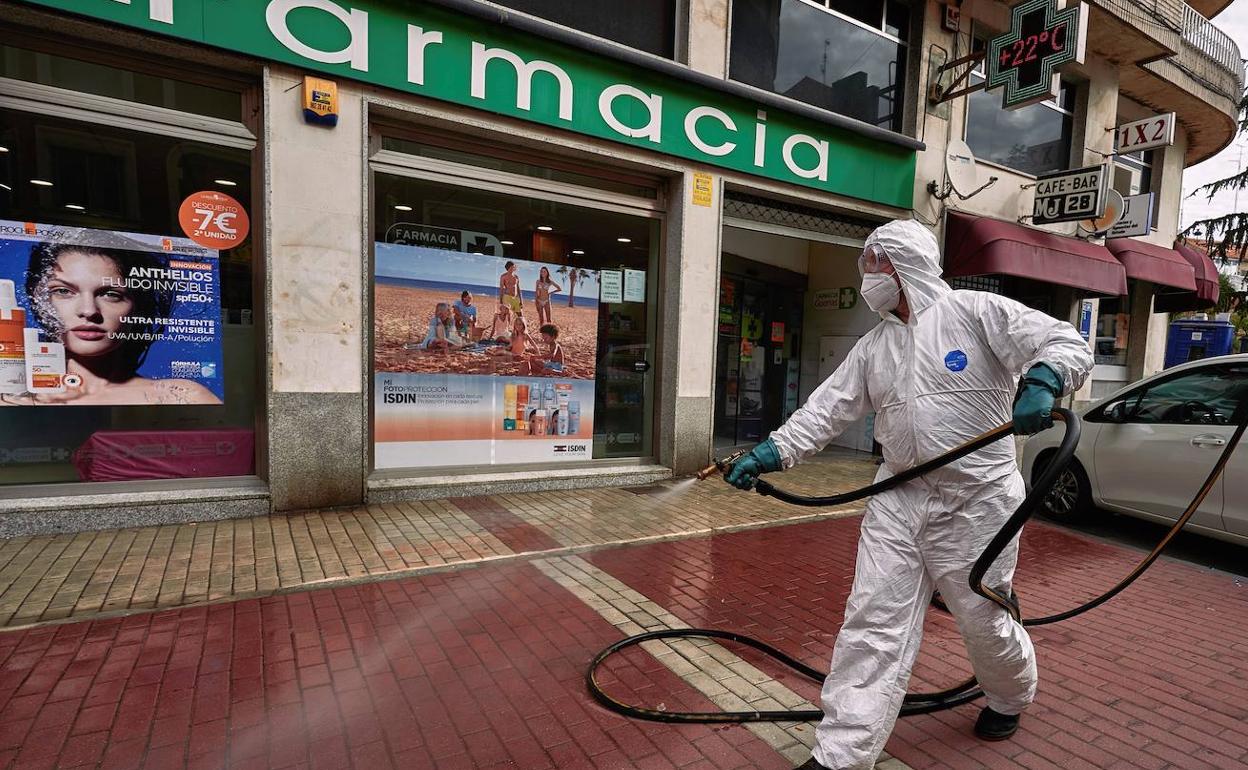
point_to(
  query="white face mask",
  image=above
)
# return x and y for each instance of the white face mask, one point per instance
(880, 291)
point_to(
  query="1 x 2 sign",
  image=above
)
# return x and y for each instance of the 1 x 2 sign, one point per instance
(1157, 131)
(1069, 196)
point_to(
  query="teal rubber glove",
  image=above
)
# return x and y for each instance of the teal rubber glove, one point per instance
(1033, 411)
(763, 458)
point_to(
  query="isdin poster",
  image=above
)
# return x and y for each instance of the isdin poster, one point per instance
(481, 360)
(99, 317)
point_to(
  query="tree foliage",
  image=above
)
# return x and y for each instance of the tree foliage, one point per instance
(1226, 236)
(1232, 301)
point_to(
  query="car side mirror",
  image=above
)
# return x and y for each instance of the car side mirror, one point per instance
(1116, 412)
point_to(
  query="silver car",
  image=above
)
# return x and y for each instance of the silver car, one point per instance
(1146, 450)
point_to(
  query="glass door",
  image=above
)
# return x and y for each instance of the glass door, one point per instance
(758, 360)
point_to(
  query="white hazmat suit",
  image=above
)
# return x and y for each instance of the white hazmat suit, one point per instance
(946, 376)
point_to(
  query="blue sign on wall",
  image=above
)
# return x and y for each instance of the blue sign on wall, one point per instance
(1085, 319)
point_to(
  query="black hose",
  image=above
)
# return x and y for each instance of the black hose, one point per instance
(764, 487)
(913, 703)
(977, 572)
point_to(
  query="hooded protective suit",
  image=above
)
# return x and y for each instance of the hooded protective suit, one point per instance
(946, 376)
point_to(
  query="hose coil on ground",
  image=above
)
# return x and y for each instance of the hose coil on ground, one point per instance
(913, 703)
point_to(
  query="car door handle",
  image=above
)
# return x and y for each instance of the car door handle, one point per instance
(1208, 441)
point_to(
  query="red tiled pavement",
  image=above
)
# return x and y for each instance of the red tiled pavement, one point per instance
(478, 668)
(1156, 678)
(483, 668)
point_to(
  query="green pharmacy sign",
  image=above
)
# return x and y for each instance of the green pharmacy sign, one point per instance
(1041, 39)
(431, 52)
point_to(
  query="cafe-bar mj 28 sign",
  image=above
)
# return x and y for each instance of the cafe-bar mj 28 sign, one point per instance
(1070, 196)
(1041, 39)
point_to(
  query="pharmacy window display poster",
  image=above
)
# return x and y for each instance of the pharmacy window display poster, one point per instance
(98, 317)
(481, 360)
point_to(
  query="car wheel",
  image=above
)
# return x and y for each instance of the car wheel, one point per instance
(1070, 498)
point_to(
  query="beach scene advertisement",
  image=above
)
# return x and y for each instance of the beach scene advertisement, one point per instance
(107, 318)
(481, 359)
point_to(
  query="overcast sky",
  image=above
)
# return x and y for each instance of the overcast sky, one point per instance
(1233, 21)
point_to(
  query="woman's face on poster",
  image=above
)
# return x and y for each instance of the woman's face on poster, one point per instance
(83, 292)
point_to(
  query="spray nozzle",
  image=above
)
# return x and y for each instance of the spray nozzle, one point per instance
(723, 465)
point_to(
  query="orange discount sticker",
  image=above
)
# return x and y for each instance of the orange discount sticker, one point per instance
(214, 220)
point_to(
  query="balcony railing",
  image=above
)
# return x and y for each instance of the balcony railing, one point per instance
(1204, 36)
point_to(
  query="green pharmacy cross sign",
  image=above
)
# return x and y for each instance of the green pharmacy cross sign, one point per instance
(1041, 38)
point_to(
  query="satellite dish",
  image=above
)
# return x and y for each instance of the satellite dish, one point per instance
(960, 166)
(1114, 207)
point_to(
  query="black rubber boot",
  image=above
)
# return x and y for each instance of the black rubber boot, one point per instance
(811, 764)
(992, 726)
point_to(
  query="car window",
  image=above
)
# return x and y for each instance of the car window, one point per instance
(1204, 397)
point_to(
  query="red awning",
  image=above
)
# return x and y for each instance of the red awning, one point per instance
(1207, 286)
(1156, 264)
(982, 246)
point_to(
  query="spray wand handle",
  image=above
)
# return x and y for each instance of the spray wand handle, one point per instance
(723, 465)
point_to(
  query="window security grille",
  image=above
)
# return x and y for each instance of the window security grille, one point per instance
(774, 212)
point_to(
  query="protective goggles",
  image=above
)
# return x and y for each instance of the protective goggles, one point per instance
(873, 260)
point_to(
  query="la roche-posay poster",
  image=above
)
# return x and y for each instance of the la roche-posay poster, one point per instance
(99, 317)
(481, 360)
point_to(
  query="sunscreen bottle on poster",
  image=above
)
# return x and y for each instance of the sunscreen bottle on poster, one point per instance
(522, 403)
(522, 407)
(562, 394)
(45, 364)
(509, 406)
(535, 406)
(539, 422)
(548, 402)
(574, 417)
(12, 341)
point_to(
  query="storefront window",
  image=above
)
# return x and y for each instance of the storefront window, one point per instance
(1033, 139)
(508, 329)
(103, 80)
(518, 164)
(1112, 332)
(137, 339)
(847, 57)
(648, 25)
(1133, 175)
